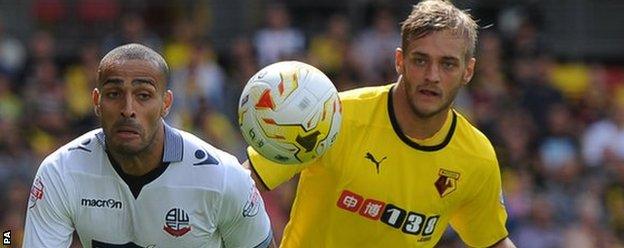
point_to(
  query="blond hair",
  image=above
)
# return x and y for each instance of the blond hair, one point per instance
(437, 15)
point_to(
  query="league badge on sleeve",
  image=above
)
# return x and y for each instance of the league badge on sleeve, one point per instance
(36, 193)
(252, 206)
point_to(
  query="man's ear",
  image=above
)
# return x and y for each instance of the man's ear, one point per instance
(398, 61)
(95, 97)
(168, 101)
(469, 72)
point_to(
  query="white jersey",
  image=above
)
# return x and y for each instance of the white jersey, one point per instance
(202, 197)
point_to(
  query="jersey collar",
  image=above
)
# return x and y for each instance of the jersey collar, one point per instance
(410, 142)
(174, 145)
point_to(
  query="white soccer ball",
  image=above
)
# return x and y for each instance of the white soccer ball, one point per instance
(289, 112)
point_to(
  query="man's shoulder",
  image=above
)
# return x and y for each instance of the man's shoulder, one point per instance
(361, 104)
(204, 165)
(76, 152)
(473, 140)
(197, 149)
(364, 93)
(77, 156)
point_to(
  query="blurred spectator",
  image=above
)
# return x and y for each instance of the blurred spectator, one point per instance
(200, 82)
(178, 51)
(603, 140)
(41, 49)
(80, 79)
(558, 147)
(240, 65)
(12, 53)
(516, 133)
(45, 96)
(278, 40)
(572, 79)
(588, 231)
(613, 198)
(328, 50)
(374, 48)
(593, 104)
(49, 12)
(536, 93)
(517, 188)
(526, 41)
(540, 230)
(217, 128)
(11, 108)
(132, 30)
(97, 11)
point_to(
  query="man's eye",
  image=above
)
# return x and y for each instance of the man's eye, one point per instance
(112, 94)
(448, 65)
(143, 96)
(420, 61)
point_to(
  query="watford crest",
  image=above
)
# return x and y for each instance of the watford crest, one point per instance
(447, 182)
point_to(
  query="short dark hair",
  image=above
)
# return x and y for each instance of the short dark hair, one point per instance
(135, 51)
(436, 15)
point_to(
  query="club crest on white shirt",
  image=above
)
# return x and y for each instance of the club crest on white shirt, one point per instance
(177, 222)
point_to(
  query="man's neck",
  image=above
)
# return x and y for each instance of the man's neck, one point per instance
(412, 125)
(136, 165)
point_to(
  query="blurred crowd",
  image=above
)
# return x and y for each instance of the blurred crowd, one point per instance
(557, 125)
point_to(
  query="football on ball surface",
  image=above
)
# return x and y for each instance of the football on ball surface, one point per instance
(289, 112)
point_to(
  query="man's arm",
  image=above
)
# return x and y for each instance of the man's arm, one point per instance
(480, 221)
(48, 222)
(243, 220)
(269, 175)
(505, 243)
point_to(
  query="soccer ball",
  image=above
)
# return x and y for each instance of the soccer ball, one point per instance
(289, 112)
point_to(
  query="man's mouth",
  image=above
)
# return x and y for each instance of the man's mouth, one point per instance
(430, 93)
(127, 132)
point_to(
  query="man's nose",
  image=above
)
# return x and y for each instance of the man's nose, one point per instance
(433, 73)
(127, 110)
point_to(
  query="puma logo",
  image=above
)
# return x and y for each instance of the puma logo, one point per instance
(372, 158)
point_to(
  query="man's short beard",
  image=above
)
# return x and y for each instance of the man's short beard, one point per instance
(426, 115)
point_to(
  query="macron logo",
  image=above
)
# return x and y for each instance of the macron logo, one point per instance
(97, 203)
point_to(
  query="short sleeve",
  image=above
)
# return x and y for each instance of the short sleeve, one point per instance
(48, 221)
(480, 222)
(243, 218)
(271, 173)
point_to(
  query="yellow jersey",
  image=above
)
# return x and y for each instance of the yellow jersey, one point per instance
(377, 187)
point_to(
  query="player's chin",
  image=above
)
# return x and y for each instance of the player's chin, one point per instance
(127, 147)
(427, 110)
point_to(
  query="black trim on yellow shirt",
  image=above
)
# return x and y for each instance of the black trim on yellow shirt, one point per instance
(407, 140)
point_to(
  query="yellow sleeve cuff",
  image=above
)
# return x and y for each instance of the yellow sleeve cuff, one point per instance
(271, 173)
